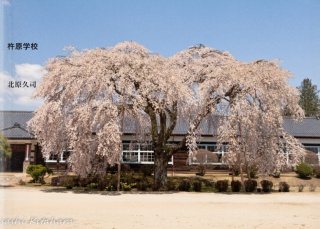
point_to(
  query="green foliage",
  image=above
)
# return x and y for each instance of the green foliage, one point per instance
(67, 181)
(284, 187)
(236, 186)
(92, 186)
(110, 188)
(126, 187)
(266, 185)
(277, 174)
(316, 171)
(222, 185)
(172, 185)
(37, 172)
(128, 178)
(108, 183)
(102, 183)
(5, 149)
(143, 185)
(133, 180)
(189, 184)
(197, 185)
(304, 170)
(83, 182)
(55, 181)
(250, 185)
(309, 98)
(185, 185)
(5, 152)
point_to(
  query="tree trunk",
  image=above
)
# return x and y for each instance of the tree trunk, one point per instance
(241, 173)
(160, 171)
(242, 179)
(232, 180)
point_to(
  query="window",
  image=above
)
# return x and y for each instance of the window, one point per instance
(138, 153)
(312, 148)
(63, 157)
(215, 159)
(52, 158)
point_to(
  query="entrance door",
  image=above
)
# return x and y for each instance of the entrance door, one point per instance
(17, 158)
(17, 161)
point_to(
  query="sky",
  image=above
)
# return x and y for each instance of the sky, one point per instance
(288, 30)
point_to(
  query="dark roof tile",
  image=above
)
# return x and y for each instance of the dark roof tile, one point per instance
(13, 125)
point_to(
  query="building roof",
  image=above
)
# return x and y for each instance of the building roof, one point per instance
(13, 124)
(308, 127)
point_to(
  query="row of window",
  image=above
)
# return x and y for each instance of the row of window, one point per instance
(138, 153)
(143, 153)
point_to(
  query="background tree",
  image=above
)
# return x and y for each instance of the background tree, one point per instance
(309, 98)
(85, 92)
(5, 152)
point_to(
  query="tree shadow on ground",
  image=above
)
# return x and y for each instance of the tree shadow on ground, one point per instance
(107, 193)
(6, 186)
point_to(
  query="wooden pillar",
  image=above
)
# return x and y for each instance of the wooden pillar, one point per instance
(27, 157)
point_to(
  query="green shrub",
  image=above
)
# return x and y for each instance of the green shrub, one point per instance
(250, 185)
(66, 181)
(55, 181)
(69, 186)
(110, 188)
(222, 185)
(236, 186)
(208, 183)
(102, 183)
(266, 185)
(92, 186)
(143, 186)
(37, 172)
(84, 182)
(184, 185)
(113, 181)
(172, 185)
(284, 187)
(127, 178)
(316, 171)
(304, 170)
(197, 185)
(276, 174)
(125, 186)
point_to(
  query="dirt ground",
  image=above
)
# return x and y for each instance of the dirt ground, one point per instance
(45, 207)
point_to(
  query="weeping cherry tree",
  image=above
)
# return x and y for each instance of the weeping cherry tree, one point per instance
(86, 92)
